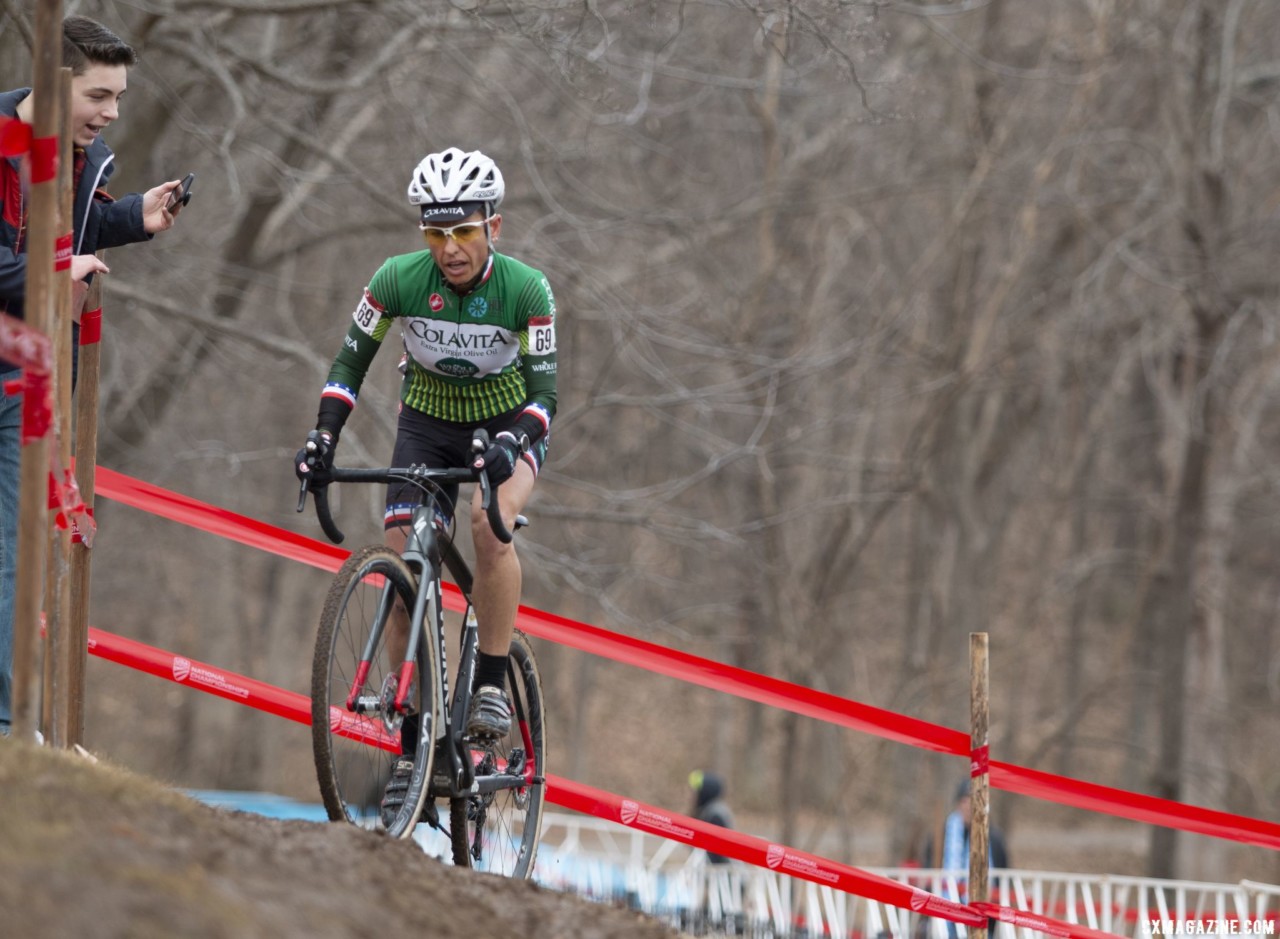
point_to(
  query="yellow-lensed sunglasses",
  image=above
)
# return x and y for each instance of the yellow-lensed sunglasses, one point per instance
(463, 234)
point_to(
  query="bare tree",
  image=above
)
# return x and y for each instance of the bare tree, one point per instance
(881, 323)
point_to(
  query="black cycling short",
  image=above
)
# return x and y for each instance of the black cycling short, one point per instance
(421, 438)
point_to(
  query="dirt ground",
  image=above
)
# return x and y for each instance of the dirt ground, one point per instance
(92, 850)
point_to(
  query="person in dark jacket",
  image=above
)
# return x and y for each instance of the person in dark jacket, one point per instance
(709, 805)
(99, 62)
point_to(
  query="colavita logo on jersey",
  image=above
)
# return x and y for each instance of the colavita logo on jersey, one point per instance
(460, 350)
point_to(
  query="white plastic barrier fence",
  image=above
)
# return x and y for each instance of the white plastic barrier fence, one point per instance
(603, 861)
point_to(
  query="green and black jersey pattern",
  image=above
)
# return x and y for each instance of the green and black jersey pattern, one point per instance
(470, 358)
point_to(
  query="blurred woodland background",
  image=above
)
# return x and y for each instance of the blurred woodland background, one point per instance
(880, 322)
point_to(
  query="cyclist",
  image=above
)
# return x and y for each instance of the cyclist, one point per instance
(478, 329)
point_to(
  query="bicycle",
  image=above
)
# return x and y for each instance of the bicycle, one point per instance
(360, 700)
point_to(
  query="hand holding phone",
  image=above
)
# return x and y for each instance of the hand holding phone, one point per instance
(182, 195)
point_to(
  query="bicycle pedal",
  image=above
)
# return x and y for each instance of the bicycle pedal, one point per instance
(368, 703)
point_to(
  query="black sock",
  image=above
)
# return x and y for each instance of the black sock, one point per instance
(490, 670)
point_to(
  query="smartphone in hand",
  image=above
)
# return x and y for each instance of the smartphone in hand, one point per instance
(181, 195)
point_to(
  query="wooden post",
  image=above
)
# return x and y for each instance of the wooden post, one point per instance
(979, 850)
(58, 575)
(86, 475)
(42, 232)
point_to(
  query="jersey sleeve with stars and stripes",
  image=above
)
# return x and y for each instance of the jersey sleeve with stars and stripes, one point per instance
(342, 388)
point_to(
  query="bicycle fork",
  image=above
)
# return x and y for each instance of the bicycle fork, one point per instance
(391, 705)
(366, 703)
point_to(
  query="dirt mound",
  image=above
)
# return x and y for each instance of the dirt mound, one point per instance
(88, 849)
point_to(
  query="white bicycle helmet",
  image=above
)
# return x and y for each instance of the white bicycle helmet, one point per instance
(454, 184)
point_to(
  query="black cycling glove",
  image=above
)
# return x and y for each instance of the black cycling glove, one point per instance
(500, 459)
(315, 459)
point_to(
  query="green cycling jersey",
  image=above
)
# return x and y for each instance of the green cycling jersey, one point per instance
(468, 358)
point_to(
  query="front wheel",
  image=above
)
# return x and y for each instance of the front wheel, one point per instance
(355, 726)
(496, 828)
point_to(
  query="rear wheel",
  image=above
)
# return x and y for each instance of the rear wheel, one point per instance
(497, 828)
(355, 730)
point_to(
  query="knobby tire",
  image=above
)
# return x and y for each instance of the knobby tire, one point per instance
(353, 766)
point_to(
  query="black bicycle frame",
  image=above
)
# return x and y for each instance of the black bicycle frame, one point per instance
(426, 552)
(427, 555)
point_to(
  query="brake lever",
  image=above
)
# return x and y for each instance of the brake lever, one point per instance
(479, 444)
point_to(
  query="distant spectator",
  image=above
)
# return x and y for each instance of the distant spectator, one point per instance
(955, 838)
(709, 805)
(954, 855)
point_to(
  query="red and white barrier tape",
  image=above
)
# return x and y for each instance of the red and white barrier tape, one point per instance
(30, 350)
(225, 684)
(91, 327)
(582, 798)
(1063, 790)
(68, 507)
(17, 139)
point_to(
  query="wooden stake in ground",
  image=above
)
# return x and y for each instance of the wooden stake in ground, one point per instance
(42, 232)
(979, 852)
(86, 466)
(58, 576)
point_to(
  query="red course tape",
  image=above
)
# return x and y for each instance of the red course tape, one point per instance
(82, 531)
(15, 137)
(37, 404)
(44, 159)
(980, 761)
(707, 673)
(62, 253)
(582, 798)
(91, 327)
